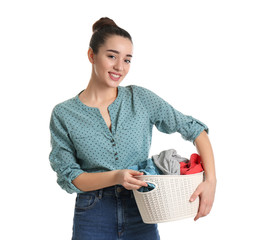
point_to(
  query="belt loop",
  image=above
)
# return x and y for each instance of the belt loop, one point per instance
(132, 196)
(115, 191)
(100, 193)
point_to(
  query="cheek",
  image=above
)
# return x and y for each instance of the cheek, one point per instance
(127, 68)
(102, 68)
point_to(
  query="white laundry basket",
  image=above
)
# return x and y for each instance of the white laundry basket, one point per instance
(169, 201)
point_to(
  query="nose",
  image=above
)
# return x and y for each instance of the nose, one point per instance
(118, 65)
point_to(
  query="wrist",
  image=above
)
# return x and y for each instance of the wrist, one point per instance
(210, 179)
(116, 177)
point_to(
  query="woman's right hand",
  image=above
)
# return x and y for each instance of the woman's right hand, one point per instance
(126, 178)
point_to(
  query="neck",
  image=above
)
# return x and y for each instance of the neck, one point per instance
(99, 93)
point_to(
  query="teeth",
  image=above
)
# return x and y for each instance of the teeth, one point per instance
(114, 75)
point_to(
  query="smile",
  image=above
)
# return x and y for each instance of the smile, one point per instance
(114, 76)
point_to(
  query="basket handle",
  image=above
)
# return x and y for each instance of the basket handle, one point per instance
(149, 192)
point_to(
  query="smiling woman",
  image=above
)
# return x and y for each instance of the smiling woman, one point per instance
(112, 61)
(98, 134)
(114, 75)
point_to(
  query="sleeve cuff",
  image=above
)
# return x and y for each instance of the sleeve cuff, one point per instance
(199, 132)
(68, 186)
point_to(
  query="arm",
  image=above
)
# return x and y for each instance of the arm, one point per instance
(94, 181)
(70, 176)
(62, 156)
(168, 120)
(206, 190)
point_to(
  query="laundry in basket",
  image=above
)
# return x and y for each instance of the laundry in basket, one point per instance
(169, 200)
(167, 196)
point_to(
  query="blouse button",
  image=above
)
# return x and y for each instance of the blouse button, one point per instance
(116, 158)
(113, 144)
(112, 140)
(115, 153)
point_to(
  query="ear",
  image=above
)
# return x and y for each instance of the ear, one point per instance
(90, 55)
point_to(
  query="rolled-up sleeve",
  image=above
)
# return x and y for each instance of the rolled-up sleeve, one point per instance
(169, 120)
(62, 156)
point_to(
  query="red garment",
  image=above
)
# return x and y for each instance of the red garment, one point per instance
(192, 166)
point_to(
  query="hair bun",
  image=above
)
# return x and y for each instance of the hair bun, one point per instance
(102, 22)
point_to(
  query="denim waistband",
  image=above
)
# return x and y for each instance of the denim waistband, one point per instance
(116, 191)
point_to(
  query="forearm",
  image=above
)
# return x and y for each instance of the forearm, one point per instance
(205, 151)
(93, 181)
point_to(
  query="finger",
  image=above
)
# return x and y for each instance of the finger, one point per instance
(137, 182)
(195, 195)
(202, 210)
(130, 186)
(199, 215)
(135, 173)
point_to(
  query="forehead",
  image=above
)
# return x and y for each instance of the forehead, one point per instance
(118, 43)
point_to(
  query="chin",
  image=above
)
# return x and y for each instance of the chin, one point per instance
(114, 83)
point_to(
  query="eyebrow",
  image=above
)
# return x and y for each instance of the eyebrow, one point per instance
(115, 51)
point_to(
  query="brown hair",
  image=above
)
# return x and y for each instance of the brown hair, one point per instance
(104, 28)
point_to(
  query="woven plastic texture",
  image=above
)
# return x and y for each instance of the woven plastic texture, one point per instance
(169, 201)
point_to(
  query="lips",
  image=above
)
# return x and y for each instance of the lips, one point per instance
(114, 76)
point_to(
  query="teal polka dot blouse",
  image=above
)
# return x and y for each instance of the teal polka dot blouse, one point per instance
(82, 142)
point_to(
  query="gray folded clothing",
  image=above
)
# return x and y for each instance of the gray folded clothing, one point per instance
(168, 162)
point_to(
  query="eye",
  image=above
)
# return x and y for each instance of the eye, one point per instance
(111, 56)
(127, 61)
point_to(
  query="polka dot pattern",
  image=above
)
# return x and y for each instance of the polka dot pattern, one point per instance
(82, 142)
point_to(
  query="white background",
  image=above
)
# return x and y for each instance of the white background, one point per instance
(206, 58)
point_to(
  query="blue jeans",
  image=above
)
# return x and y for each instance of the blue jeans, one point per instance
(110, 214)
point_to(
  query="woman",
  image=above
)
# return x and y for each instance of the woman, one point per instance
(106, 128)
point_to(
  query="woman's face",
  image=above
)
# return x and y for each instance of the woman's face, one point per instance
(112, 62)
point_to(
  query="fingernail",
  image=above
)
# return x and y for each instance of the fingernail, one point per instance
(191, 200)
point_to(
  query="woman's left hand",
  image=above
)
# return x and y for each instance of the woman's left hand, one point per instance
(206, 192)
